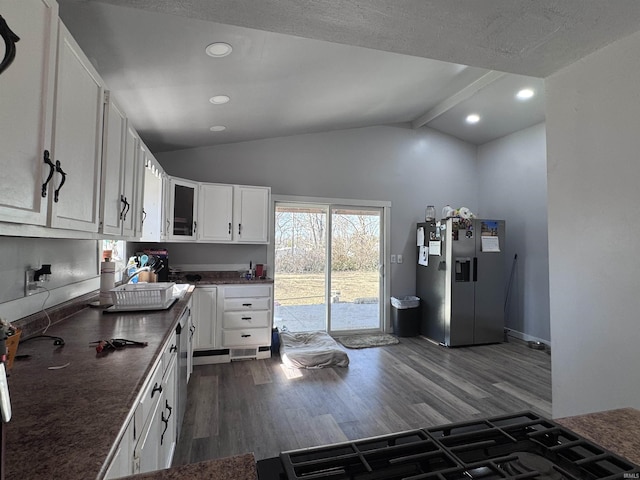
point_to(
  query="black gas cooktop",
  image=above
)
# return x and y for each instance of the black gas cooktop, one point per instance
(517, 446)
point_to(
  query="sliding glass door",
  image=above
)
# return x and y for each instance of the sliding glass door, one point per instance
(356, 258)
(328, 267)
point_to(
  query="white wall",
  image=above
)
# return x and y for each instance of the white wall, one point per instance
(410, 168)
(512, 173)
(593, 143)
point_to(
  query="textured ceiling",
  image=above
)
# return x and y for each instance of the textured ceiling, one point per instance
(527, 37)
(300, 67)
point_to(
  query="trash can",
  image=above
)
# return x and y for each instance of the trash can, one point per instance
(405, 316)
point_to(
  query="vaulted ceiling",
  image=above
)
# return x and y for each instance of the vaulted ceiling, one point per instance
(308, 66)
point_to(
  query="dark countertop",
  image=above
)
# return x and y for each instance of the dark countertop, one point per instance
(217, 278)
(239, 467)
(616, 430)
(65, 421)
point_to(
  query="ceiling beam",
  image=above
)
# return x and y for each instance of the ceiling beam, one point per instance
(456, 98)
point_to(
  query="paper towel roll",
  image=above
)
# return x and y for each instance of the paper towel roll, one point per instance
(107, 281)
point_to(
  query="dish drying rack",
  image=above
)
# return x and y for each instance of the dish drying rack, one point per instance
(142, 294)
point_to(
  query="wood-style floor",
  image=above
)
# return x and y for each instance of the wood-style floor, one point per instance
(265, 408)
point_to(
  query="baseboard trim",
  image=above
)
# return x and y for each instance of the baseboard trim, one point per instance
(526, 337)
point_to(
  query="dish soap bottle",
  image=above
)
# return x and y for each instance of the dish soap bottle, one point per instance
(132, 266)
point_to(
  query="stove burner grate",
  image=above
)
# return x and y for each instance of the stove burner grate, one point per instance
(517, 446)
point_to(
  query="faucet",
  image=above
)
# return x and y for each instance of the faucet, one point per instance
(136, 273)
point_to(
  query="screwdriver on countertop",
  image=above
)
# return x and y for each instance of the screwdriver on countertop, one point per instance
(116, 343)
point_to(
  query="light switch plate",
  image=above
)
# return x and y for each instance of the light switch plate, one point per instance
(399, 258)
(393, 258)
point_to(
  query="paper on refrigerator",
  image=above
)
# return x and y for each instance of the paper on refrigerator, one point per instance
(423, 256)
(420, 237)
(434, 247)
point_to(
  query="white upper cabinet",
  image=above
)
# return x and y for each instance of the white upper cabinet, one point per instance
(183, 210)
(233, 213)
(215, 208)
(132, 186)
(251, 214)
(26, 110)
(153, 208)
(77, 140)
(113, 145)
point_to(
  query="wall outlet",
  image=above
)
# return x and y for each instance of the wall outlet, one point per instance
(30, 285)
(33, 279)
(400, 258)
(393, 258)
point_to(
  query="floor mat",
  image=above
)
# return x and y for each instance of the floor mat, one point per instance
(366, 341)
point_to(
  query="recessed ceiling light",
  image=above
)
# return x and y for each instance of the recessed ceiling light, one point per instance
(218, 128)
(218, 49)
(473, 118)
(219, 99)
(525, 94)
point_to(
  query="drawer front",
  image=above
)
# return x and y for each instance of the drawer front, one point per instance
(246, 337)
(150, 397)
(256, 303)
(171, 350)
(247, 291)
(245, 319)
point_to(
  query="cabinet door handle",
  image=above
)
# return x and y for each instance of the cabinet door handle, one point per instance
(245, 335)
(126, 212)
(56, 193)
(239, 228)
(165, 420)
(229, 228)
(123, 201)
(144, 217)
(10, 40)
(173, 349)
(164, 430)
(52, 168)
(156, 388)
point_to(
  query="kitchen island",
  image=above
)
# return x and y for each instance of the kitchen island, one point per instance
(71, 403)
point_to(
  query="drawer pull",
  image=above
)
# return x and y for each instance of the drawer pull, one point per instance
(245, 335)
(156, 388)
(173, 349)
(247, 304)
(246, 318)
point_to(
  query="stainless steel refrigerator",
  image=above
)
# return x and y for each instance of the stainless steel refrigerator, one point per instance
(460, 280)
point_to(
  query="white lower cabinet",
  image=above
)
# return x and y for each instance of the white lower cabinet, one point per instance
(232, 322)
(150, 438)
(244, 320)
(204, 312)
(168, 415)
(190, 341)
(122, 463)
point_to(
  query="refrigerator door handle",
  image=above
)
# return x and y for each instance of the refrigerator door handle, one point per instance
(475, 269)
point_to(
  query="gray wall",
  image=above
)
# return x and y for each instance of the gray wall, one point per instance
(593, 174)
(410, 168)
(72, 262)
(512, 173)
